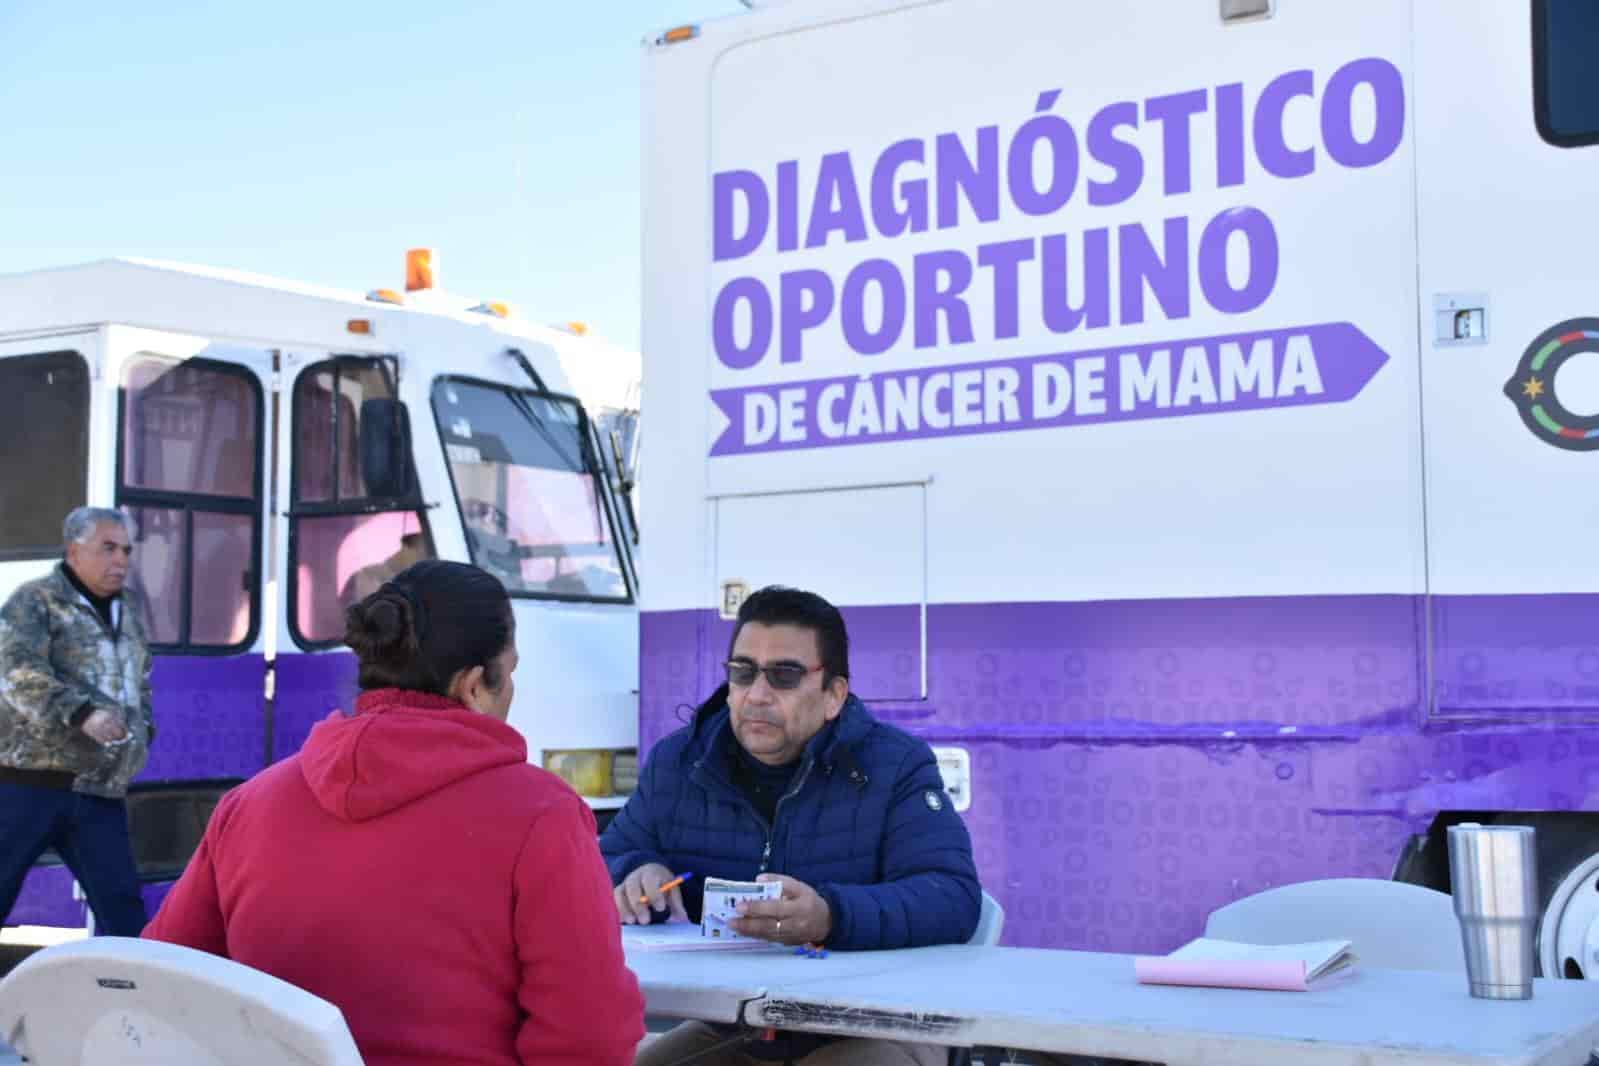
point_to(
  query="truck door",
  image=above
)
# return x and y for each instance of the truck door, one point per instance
(1510, 350)
(863, 548)
(344, 526)
(190, 470)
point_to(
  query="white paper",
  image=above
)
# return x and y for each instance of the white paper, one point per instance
(721, 904)
(681, 936)
(1321, 957)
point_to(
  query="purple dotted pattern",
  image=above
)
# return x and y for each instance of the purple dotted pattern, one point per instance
(1136, 764)
(1111, 809)
(309, 688)
(210, 716)
(1516, 653)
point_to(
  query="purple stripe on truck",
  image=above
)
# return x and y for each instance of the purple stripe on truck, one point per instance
(1136, 764)
(210, 716)
(309, 687)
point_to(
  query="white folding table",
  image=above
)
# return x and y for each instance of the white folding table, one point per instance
(1090, 1004)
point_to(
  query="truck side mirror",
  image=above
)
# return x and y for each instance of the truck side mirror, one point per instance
(385, 448)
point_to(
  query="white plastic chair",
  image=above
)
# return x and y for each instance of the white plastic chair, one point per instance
(1389, 924)
(141, 1003)
(990, 923)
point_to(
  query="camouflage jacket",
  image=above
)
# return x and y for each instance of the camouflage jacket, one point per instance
(56, 655)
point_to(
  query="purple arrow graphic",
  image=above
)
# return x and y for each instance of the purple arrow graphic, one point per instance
(1306, 365)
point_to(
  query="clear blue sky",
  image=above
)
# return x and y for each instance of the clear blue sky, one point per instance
(319, 140)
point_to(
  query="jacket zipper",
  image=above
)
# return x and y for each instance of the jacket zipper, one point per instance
(766, 852)
(771, 830)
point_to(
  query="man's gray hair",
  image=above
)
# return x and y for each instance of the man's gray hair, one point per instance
(81, 522)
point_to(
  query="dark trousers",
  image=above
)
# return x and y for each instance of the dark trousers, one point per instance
(91, 836)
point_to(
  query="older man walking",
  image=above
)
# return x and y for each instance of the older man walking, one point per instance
(75, 721)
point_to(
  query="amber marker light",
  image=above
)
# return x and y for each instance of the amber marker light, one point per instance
(419, 269)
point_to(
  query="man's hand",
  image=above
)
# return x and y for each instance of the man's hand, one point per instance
(105, 727)
(647, 881)
(801, 916)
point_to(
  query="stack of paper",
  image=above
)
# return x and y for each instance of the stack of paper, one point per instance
(1229, 964)
(681, 936)
(721, 902)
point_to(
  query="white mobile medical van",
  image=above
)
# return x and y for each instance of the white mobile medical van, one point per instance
(1193, 404)
(283, 450)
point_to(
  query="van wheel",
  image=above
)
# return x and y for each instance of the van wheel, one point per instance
(1568, 896)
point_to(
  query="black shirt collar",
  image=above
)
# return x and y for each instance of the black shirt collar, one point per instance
(772, 776)
(101, 604)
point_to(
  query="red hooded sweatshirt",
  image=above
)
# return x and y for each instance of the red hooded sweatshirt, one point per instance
(409, 866)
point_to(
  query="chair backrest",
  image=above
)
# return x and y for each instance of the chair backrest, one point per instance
(127, 1001)
(990, 923)
(1389, 924)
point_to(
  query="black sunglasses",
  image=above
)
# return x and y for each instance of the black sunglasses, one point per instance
(741, 673)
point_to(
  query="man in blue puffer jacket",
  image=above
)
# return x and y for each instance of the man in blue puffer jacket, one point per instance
(784, 775)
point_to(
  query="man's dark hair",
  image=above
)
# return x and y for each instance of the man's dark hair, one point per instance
(777, 605)
(430, 622)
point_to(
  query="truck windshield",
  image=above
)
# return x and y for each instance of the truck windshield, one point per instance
(535, 513)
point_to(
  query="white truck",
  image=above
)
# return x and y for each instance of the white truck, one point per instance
(282, 450)
(1188, 403)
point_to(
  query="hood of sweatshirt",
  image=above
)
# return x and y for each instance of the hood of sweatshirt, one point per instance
(397, 747)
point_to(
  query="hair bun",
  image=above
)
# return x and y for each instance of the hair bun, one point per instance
(381, 626)
(426, 625)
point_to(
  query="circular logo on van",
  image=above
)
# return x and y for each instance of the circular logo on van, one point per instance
(1531, 387)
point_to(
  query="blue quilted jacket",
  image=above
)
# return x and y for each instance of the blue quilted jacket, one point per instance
(866, 822)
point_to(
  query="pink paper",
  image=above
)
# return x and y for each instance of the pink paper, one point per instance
(1214, 973)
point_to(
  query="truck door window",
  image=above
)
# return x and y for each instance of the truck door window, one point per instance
(189, 475)
(344, 542)
(526, 480)
(1565, 39)
(44, 430)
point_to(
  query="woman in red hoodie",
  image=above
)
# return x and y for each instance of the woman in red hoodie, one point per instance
(409, 865)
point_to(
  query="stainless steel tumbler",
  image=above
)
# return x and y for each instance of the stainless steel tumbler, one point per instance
(1495, 873)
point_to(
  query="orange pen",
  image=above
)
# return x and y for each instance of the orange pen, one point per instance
(664, 889)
